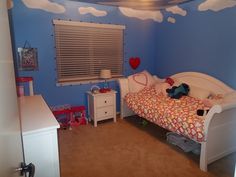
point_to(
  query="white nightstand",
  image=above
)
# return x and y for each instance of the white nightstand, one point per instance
(101, 106)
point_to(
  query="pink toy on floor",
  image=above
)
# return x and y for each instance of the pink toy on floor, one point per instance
(68, 116)
(78, 116)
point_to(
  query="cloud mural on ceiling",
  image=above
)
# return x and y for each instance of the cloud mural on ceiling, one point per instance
(176, 10)
(142, 14)
(92, 11)
(171, 20)
(10, 4)
(45, 5)
(216, 5)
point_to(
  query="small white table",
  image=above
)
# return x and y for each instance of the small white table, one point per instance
(39, 131)
(101, 106)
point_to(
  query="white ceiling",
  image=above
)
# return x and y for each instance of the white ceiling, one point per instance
(138, 4)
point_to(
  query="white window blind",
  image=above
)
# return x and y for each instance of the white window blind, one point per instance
(83, 49)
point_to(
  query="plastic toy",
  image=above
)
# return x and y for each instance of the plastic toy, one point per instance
(69, 117)
(77, 116)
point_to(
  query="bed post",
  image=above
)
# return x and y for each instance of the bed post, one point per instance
(124, 89)
(203, 157)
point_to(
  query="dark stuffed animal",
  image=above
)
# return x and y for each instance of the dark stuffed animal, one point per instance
(202, 112)
(178, 92)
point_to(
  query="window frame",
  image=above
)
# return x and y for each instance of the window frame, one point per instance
(91, 78)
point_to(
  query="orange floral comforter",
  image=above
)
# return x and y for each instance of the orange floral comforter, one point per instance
(176, 115)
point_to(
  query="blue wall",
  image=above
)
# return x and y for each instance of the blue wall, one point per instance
(36, 27)
(203, 41)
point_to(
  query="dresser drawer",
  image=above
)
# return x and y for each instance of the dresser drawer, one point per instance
(105, 100)
(106, 112)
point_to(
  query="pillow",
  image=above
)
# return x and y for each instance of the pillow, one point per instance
(157, 79)
(199, 93)
(211, 102)
(161, 88)
(140, 80)
(229, 97)
(176, 82)
(213, 99)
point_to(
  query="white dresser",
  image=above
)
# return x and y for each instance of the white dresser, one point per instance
(101, 106)
(39, 131)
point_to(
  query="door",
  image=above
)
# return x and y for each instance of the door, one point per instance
(11, 154)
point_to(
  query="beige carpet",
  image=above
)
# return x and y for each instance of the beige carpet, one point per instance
(127, 149)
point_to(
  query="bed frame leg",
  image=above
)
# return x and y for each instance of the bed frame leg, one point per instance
(203, 157)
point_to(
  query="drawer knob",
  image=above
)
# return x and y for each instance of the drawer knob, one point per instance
(105, 112)
(105, 101)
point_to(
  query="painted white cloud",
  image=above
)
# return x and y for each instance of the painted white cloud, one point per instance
(216, 5)
(10, 4)
(171, 20)
(92, 10)
(177, 10)
(142, 14)
(45, 5)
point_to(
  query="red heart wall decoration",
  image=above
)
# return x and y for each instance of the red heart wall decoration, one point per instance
(134, 62)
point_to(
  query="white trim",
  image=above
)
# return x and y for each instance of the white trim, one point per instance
(85, 24)
(86, 82)
(89, 38)
(203, 80)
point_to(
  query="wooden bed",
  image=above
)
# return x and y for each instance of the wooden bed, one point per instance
(220, 122)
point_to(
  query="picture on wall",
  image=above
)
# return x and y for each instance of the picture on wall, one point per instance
(28, 59)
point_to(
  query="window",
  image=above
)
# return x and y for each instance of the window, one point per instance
(83, 49)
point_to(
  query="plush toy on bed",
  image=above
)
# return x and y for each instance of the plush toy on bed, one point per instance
(162, 84)
(177, 92)
(213, 99)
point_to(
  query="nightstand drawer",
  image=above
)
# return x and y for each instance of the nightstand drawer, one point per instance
(101, 106)
(105, 100)
(105, 112)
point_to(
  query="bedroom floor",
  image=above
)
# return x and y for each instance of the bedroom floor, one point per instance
(127, 149)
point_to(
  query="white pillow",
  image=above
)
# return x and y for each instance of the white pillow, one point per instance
(176, 82)
(140, 80)
(161, 88)
(198, 92)
(229, 97)
(158, 80)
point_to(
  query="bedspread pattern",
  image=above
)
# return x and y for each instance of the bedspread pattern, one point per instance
(177, 115)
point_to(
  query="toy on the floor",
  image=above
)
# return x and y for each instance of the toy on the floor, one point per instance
(63, 118)
(186, 144)
(177, 92)
(78, 116)
(144, 123)
(70, 116)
